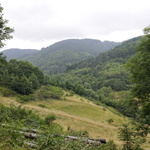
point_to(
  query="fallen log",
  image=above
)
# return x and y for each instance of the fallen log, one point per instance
(33, 134)
(23, 129)
(101, 140)
(30, 135)
(87, 140)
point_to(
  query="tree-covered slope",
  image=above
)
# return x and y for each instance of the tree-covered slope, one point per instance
(102, 76)
(20, 76)
(124, 51)
(55, 58)
(17, 53)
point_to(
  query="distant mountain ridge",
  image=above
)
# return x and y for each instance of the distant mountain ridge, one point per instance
(55, 58)
(15, 53)
(91, 46)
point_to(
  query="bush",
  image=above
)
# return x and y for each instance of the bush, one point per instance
(50, 92)
(71, 93)
(81, 133)
(16, 119)
(17, 114)
(26, 98)
(49, 119)
(132, 137)
(42, 105)
(109, 146)
(7, 92)
(110, 121)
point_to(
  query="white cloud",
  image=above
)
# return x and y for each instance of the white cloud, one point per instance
(39, 21)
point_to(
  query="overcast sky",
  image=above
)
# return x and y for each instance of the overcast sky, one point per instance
(40, 23)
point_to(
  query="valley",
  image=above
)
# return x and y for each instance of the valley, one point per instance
(75, 94)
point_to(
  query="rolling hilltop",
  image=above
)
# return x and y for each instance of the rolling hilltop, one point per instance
(55, 58)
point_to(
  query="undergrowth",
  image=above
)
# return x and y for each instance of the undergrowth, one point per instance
(16, 122)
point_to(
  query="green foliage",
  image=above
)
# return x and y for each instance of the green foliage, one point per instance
(139, 69)
(49, 119)
(7, 92)
(21, 76)
(122, 101)
(42, 105)
(110, 145)
(79, 89)
(2, 61)
(110, 121)
(17, 114)
(21, 68)
(16, 119)
(131, 137)
(22, 85)
(50, 92)
(77, 133)
(26, 98)
(104, 91)
(5, 31)
(34, 80)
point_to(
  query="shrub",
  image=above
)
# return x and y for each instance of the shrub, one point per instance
(14, 114)
(42, 105)
(50, 92)
(132, 137)
(110, 121)
(26, 98)
(49, 119)
(7, 92)
(110, 145)
(81, 133)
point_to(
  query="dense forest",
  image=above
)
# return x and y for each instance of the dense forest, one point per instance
(103, 78)
(21, 76)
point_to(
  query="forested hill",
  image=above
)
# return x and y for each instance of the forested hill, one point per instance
(100, 76)
(17, 53)
(55, 58)
(122, 51)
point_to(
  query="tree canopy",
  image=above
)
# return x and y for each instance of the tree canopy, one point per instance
(21, 76)
(139, 68)
(5, 31)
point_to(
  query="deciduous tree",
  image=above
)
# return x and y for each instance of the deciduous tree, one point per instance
(5, 31)
(139, 68)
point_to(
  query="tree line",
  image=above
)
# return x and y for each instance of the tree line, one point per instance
(21, 76)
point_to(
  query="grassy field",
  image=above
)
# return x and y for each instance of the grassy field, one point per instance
(77, 113)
